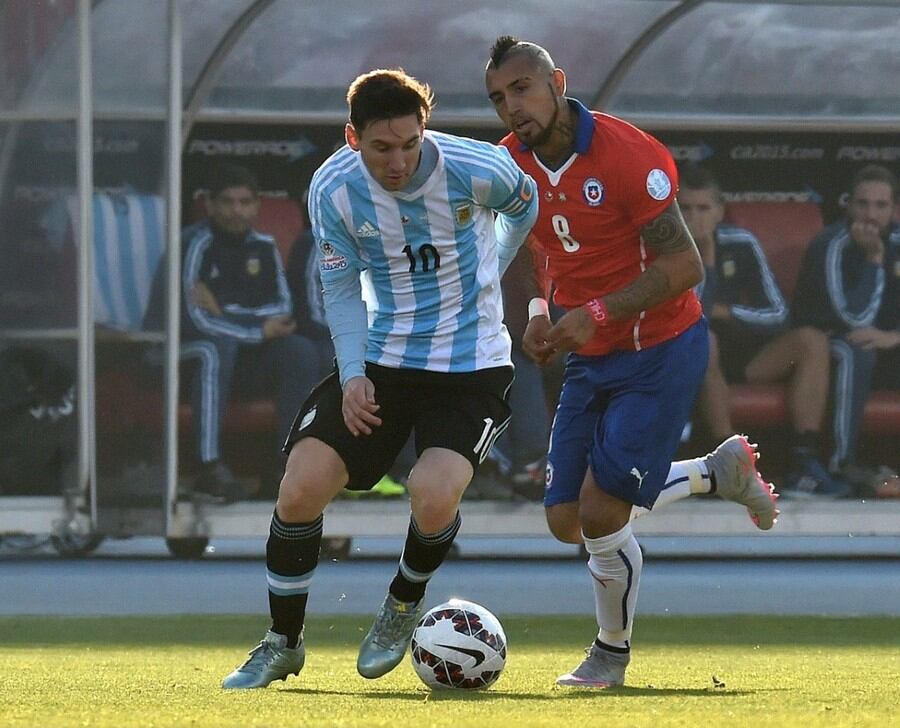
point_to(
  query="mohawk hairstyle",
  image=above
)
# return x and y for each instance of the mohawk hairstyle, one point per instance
(501, 48)
(507, 46)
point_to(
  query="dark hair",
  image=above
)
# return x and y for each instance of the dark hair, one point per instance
(508, 45)
(227, 175)
(694, 177)
(388, 93)
(875, 173)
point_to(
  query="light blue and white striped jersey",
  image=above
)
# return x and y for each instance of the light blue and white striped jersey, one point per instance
(428, 257)
(129, 242)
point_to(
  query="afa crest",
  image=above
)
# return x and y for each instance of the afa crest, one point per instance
(253, 266)
(463, 214)
(593, 191)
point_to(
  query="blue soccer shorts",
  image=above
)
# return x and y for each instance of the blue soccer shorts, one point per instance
(622, 415)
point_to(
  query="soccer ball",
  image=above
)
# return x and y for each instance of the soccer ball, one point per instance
(458, 644)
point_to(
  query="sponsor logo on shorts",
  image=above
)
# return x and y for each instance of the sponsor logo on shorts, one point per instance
(637, 474)
(308, 418)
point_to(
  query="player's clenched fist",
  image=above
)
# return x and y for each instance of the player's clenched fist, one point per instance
(572, 331)
(534, 341)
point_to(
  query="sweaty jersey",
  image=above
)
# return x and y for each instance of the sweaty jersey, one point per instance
(592, 209)
(429, 256)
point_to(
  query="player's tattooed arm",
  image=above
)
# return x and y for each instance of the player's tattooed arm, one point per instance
(677, 267)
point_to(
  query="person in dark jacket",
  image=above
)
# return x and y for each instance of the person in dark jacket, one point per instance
(750, 339)
(236, 322)
(849, 288)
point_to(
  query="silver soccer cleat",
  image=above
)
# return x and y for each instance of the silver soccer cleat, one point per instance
(738, 480)
(600, 669)
(270, 660)
(385, 644)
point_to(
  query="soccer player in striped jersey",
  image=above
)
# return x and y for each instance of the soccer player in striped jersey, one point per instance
(413, 231)
(622, 265)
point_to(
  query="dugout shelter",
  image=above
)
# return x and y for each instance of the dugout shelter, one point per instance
(112, 111)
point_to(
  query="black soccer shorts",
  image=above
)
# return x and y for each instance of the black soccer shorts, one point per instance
(464, 412)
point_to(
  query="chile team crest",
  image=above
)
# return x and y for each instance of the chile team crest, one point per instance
(594, 191)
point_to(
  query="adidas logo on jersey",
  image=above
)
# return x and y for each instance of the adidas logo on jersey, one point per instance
(367, 230)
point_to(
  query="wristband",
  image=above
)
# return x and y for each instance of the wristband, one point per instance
(538, 307)
(598, 311)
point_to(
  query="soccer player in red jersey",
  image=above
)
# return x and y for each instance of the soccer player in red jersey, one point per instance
(622, 264)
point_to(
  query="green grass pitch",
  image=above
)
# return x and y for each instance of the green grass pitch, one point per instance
(709, 672)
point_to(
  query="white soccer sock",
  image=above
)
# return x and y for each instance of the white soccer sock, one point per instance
(615, 566)
(685, 478)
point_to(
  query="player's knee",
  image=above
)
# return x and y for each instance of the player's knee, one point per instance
(562, 520)
(297, 500)
(433, 506)
(601, 513)
(313, 475)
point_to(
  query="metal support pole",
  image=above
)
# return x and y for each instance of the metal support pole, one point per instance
(87, 445)
(173, 245)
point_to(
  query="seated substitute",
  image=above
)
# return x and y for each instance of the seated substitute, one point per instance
(413, 211)
(749, 338)
(849, 289)
(236, 323)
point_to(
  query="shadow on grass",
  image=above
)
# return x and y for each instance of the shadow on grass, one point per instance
(556, 694)
(416, 697)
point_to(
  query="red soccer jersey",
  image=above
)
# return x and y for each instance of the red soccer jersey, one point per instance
(592, 210)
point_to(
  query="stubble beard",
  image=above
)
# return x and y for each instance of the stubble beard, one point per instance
(544, 135)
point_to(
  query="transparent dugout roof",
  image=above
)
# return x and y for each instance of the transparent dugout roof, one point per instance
(770, 60)
(293, 59)
(302, 57)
